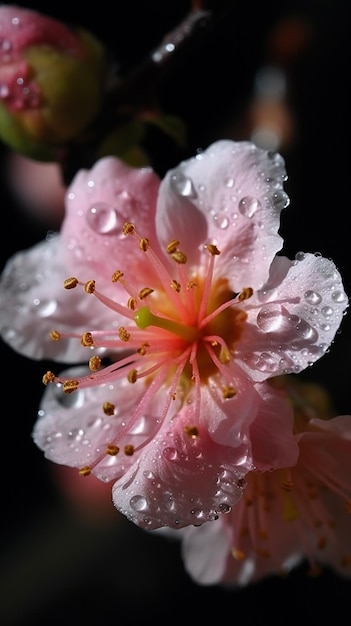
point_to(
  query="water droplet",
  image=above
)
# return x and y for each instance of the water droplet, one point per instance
(248, 206)
(338, 296)
(183, 186)
(138, 503)
(312, 297)
(224, 508)
(45, 308)
(299, 256)
(327, 311)
(104, 219)
(170, 454)
(229, 182)
(221, 221)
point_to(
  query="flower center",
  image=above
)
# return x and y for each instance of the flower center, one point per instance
(177, 335)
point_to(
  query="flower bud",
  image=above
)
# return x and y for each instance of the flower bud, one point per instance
(51, 82)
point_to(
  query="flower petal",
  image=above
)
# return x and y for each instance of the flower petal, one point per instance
(231, 195)
(98, 203)
(33, 302)
(180, 480)
(293, 320)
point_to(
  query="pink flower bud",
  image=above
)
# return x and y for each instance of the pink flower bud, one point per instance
(51, 81)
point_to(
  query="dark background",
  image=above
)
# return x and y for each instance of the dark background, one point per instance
(62, 559)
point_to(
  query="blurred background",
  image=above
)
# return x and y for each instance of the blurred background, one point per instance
(275, 72)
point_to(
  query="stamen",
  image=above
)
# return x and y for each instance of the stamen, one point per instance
(85, 471)
(108, 408)
(55, 335)
(94, 363)
(70, 283)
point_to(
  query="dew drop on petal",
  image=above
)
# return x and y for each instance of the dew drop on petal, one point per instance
(338, 296)
(248, 206)
(104, 219)
(183, 186)
(138, 503)
(312, 297)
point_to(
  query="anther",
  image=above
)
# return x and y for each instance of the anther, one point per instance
(132, 303)
(116, 276)
(128, 229)
(55, 335)
(179, 257)
(172, 246)
(142, 349)
(237, 554)
(144, 244)
(94, 363)
(228, 392)
(70, 385)
(145, 292)
(123, 334)
(245, 294)
(132, 376)
(89, 286)
(70, 283)
(85, 471)
(112, 450)
(129, 450)
(87, 340)
(108, 408)
(49, 377)
(175, 286)
(213, 250)
(191, 431)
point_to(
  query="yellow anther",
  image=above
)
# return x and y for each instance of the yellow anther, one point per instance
(132, 303)
(142, 349)
(108, 408)
(70, 385)
(70, 283)
(145, 292)
(112, 450)
(129, 450)
(132, 376)
(213, 249)
(144, 244)
(123, 334)
(89, 286)
(172, 246)
(55, 335)
(87, 340)
(245, 294)
(179, 257)
(116, 276)
(224, 355)
(94, 363)
(229, 392)
(191, 431)
(85, 471)
(191, 284)
(175, 286)
(128, 229)
(237, 554)
(49, 377)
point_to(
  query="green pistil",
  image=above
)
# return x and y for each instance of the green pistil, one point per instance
(144, 318)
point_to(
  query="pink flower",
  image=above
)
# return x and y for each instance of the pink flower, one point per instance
(287, 516)
(183, 290)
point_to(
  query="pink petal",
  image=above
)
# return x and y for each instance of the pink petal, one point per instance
(231, 195)
(33, 302)
(98, 203)
(180, 480)
(293, 320)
